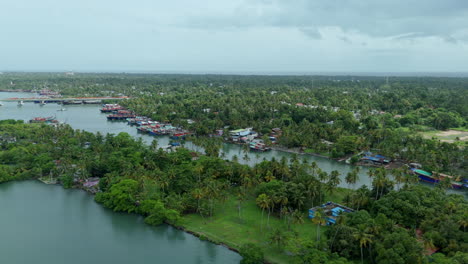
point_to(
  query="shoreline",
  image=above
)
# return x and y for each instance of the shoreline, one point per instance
(201, 236)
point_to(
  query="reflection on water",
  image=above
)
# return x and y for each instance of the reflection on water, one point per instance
(89, 118)
(46, 224)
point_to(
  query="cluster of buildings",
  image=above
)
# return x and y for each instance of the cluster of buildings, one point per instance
(331, 211)
(249, 136)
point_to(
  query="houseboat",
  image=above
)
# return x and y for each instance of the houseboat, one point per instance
(258, 145)
(46, 120)
(434, 178)
(110, 108)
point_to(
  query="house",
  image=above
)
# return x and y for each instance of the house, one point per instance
(243, 135)
(369, 157)
(331, 210)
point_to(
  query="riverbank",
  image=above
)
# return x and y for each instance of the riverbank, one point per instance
(47, 224)
(228, 229)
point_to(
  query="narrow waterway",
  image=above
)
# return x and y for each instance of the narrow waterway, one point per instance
(89, 118)
(46, 224)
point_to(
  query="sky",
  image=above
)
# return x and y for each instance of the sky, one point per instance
(229, 36)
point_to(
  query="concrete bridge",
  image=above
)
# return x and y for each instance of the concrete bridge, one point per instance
(63, 99)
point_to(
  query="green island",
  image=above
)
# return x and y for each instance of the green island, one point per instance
(276, 211)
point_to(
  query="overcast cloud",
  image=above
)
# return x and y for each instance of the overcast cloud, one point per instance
(234, 35)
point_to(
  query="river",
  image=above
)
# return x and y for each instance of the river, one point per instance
(89, 118)
(46, 224)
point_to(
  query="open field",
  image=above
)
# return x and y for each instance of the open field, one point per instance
(448, 135)
(226, 227)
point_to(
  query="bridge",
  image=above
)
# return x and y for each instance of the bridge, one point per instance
(64, 99)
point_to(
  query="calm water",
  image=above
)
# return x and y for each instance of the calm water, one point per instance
(88, 117)
(46, 224)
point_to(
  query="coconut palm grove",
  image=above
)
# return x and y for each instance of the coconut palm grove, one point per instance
(406, 136)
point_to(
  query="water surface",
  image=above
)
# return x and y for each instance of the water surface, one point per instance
(46, 224)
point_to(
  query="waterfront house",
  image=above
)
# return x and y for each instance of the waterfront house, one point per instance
(243, 135)
(375, 159)
(331, 210)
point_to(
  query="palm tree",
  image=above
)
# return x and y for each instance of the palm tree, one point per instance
(198, 194)
(313, 167)
(313, 189)
(322, 175)
(199, 170)
(269, 176)
(319, 219)
(352, 177)
(399, 176)
(340, 222)
(154, 145)
(278, 237)
(335, 177)
(240, 198)
(297, 217)
(263, 202)
(333, 181)
(464, 222)
(371, 173)
(363, 237)
(282, 199)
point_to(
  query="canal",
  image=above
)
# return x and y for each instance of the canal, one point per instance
(89, 118)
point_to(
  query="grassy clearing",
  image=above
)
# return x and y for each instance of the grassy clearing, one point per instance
(463, 129)
(226, 226)
(450, 136)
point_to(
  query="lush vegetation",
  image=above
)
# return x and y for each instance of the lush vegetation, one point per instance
(235, 204)
(330, 115)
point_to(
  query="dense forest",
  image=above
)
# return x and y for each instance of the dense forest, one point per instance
(180, 187)
(334, 116)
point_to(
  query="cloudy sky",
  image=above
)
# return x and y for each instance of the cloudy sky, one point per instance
(234, 35)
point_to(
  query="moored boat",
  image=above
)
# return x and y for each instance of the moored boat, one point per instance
(258, 145)
(435, 178)
(109, 108)
(47, 120)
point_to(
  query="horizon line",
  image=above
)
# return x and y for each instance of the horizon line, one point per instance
(265, 73)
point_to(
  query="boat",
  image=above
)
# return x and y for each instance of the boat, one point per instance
(20, 103)
(46, 120)
(258, 145)
(435, 178)
(62, 109)
(42, 103)
(109, 108)
(121, 115)
(179, 135)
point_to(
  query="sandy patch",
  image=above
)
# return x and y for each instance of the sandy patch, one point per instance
(450, 133)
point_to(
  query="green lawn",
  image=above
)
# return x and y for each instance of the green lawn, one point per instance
(226, 226)
(458, 136)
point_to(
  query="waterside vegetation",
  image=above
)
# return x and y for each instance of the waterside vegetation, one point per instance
(261, 207)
